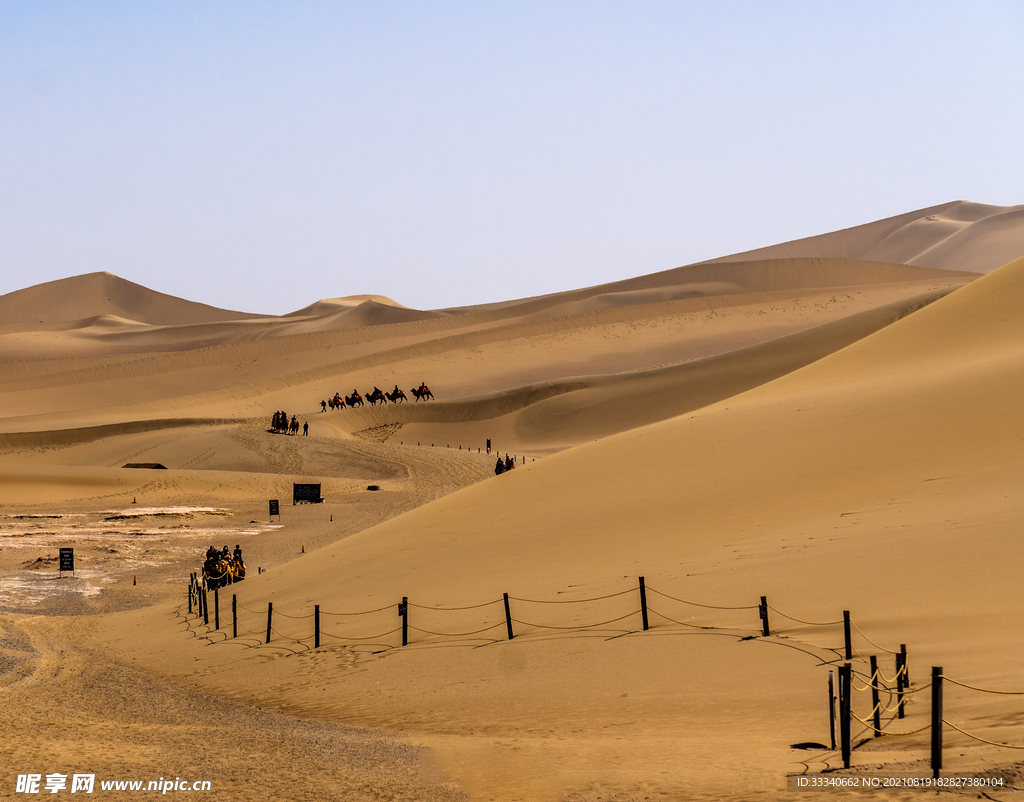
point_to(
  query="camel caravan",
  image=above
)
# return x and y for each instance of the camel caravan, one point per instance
(223, 567)
(280, 424)
(376, 395)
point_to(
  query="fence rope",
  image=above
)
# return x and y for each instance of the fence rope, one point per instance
(571, 601)
(983, 740)
(983, 690)
(808, 623)
(296, 617)
(457, 634)
(861, 631)
(451, 609)
(697, 604)
(580, 626)
(870, 680)
(897, 675)
(888, 732)
(353, 637)
(289, 637)
(362, 612)
(681, 623)
(251, 631)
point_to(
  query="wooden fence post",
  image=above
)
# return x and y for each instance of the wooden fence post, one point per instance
(763, 612)
(900, 670)
(270, 618)
(216, 608)
(844, 711)
(846, 634)
(508, 617)
(936, 720)
(643, 603)
(234, 615)
(903, 662)
(403, 610)
(316, 626)
(190, 598)
(832, 708)
(877, 716)
(206, 609)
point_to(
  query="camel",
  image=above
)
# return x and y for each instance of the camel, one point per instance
(424, 393)
(396, 396)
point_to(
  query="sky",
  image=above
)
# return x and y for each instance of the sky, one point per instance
(261, 156)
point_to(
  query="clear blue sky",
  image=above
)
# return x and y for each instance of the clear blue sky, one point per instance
(260, 156)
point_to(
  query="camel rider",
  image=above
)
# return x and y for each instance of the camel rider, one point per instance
(396, 391)
(238, 554)
(423, 387)
(376, 390)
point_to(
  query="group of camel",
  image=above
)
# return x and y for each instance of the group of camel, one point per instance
(356, 400)
(222, 568)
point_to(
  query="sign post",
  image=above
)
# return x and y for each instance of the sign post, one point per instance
(275, 509)
(306, 493)
(67, 561)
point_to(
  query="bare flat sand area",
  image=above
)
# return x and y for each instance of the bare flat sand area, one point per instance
(768, 440)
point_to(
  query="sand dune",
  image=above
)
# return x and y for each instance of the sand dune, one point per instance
(831, 423)
(328, 306)
(104, 293)
(958, 236)
(840, 463)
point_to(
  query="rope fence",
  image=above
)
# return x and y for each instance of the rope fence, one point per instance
(464, 623)
(431, 621)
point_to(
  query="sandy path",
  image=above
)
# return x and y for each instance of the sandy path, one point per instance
(92, 714)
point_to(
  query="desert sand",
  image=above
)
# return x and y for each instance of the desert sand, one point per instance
(833, 424)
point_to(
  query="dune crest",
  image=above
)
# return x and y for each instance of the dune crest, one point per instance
(95, 294)
(952, 236)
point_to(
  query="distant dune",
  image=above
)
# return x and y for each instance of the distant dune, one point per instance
(953, 236)
(95, 294)
(329, 306)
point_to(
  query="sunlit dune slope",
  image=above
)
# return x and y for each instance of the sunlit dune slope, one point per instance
(94, 294)
(908, 439)
(882, 478)
(957, 236)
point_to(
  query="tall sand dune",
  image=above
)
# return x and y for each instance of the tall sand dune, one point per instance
(879, 479)
(960, 236)
(104, 293)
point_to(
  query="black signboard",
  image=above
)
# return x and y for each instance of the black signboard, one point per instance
(275, 508)
(306, 493)
(67, 560)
